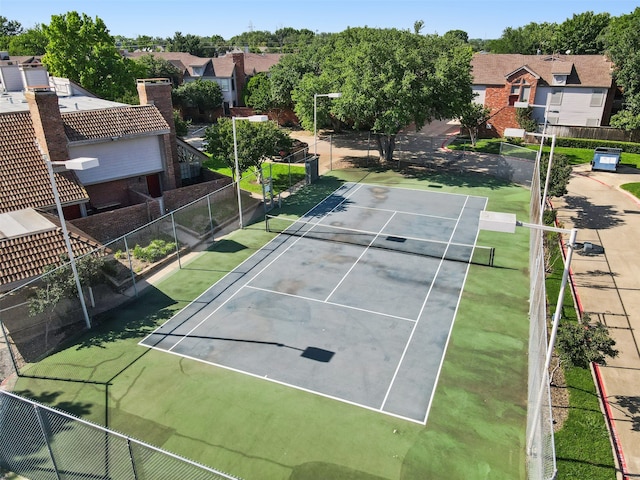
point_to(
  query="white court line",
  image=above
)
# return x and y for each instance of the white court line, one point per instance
(332, 303)
(358, 259)
(234, 294)
(446, 343)
(424, 304)
(273, 240)
(296, 387)
(403, 212)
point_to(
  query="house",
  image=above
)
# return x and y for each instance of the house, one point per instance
(231, 71)
(43, 117)
(579, 89)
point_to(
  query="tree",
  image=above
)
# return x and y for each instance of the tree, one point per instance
(186, 43)
(623, 47)
(258, 93)
(59, 283)
(580, 344)
(81, 49)
(31, 42)
(560, 174)
(156, 67)
(201, 94)
(582, 34)
(461, 35)
(9, 28)
(531, 39)
(256, 142)
(389, 79)
(473, 117)
(524, 117)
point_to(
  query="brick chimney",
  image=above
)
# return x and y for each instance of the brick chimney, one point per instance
(157, 92)
(238, 61)
(47, 122)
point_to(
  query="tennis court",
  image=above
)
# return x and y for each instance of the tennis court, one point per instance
(355, 301)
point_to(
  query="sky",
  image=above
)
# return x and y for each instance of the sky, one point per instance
(485, 19)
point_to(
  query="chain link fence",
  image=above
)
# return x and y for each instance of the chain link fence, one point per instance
(41, 443)
(541, 461)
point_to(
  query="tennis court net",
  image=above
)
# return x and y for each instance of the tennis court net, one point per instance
(458, 252)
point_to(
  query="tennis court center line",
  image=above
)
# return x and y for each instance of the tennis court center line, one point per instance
(415, 325)
(402, 212)
(234, 294)
(366, 249)
(316, 300)
(197, 299)
(446, 343)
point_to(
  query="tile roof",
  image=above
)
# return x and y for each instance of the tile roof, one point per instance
(582, 70)
(117, 122)
(24, 180)
(25, 257)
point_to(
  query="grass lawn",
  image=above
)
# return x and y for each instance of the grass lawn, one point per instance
(256, 429)
(576, 156)
(633, 188)
(583, 448)
(284, 175)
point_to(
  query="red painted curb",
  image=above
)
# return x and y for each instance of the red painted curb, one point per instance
(612, 427)
(599, 383)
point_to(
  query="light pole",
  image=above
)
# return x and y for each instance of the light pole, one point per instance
(251, 118)
(315, 116)
(74, 164)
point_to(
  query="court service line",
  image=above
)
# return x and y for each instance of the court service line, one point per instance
(403, 212)
(349, 186)
(358, 259)
(424, 304)
(234, 294)
(446, 343)
(342, 305)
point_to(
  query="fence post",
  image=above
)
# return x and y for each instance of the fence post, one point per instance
(133, 274)
(6, 340)
(132, 458)
(44, 429)
(210, 217)
(175, 237)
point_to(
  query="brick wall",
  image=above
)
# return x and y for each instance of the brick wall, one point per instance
(503, 115)
(47, 123)
(174, 199)
(111, 225)
(238, 60)
(158, 92)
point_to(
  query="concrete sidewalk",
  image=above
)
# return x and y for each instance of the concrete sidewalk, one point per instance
(608, 285)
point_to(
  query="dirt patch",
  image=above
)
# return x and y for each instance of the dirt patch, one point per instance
(559, 399)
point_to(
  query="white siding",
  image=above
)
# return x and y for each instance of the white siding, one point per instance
(120, 159)
(575, 108)
(479, 93)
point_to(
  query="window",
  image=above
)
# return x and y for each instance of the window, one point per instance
(593, 122)
(556, 97)
(597, 97)
(520, 91)
(553, 120)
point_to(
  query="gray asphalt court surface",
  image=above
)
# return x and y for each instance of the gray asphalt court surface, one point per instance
(362, 322)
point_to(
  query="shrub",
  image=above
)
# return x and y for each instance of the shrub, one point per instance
(153, 252)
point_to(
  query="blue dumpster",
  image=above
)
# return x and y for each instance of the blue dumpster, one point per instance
(605, 158)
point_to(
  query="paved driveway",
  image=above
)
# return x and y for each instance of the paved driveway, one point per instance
(608, 285)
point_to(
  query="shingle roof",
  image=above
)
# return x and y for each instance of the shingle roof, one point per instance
(113, 123)
(259, 62)
(582, 70)
(25, 257)
(24, 180)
